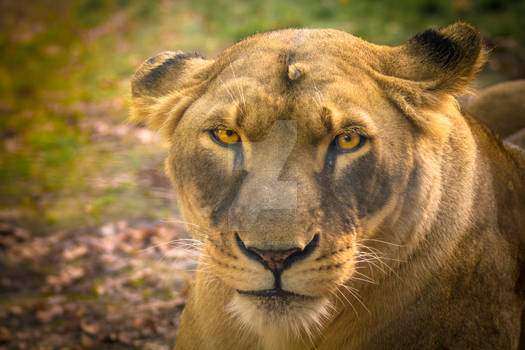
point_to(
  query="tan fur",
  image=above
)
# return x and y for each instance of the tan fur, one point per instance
(413, 241)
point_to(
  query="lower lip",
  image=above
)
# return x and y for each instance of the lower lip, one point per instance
(271, 293)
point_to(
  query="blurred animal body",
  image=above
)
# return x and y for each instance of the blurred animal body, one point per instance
(502, 108)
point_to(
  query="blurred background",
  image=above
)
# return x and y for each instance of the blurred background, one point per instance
(90, 235)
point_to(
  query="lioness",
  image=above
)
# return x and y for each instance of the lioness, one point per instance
(342, 199)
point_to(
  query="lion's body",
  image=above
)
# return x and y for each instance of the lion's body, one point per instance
(412, 240)
(502, 108)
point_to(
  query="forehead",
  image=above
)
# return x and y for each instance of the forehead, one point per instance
(256, 83)
(328, 53)
(317, 104)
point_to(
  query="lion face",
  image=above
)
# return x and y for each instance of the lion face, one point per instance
(292, 158)
(287, 183)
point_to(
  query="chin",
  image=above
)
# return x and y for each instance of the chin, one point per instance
(280, 319)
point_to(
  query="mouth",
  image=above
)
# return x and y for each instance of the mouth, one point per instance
(278, 313)
(275, 293)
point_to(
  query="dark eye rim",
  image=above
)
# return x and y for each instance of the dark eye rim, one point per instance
(219, 142)
(362, 140)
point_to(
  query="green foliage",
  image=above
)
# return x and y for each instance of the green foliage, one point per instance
(387, 21)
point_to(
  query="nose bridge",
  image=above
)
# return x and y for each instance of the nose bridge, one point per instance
(278, 229)
(273, 204)
(268, 216)
(281, 170)
(263, 189)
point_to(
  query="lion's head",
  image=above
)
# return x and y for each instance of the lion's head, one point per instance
(298, 155)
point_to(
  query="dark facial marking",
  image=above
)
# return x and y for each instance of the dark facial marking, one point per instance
(326, 119)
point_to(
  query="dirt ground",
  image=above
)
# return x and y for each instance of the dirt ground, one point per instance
(118, 286)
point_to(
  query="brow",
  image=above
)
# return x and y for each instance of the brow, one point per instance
(223, 115)
(354, 119)
(239, 114)
(327, 119)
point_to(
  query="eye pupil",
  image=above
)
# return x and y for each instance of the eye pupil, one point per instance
(225, 136)
(349, 142)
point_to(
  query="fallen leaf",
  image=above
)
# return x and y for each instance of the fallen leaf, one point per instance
(89, 328)
(87, 341)
(75, 252)
(66, 276)
(49, 314)
(5, 335)
(108, 230)
(16, 310)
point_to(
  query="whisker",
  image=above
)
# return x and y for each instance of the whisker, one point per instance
(308, 334)
(380, 241)
(377, 252)
(376, 257)
(174, 242)
(364, 277)
(348, 301)
(363, 280)
(317, 93)
(239, 88)
(354, 293)
(372, 263)
(187, 223)
(227, 89)
(337, 297)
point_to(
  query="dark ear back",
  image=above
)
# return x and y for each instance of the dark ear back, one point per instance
(159, 74)
(421, 75)
(165, 85)
(442, 61)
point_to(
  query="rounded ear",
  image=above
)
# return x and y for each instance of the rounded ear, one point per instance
(165, 85)
(421, 75)
(442, 61)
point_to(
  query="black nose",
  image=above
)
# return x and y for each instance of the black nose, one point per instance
(277, 260)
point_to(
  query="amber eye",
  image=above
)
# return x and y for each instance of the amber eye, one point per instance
(349, 141)
(225, 136)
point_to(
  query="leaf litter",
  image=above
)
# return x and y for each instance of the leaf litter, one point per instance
(119, 286)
